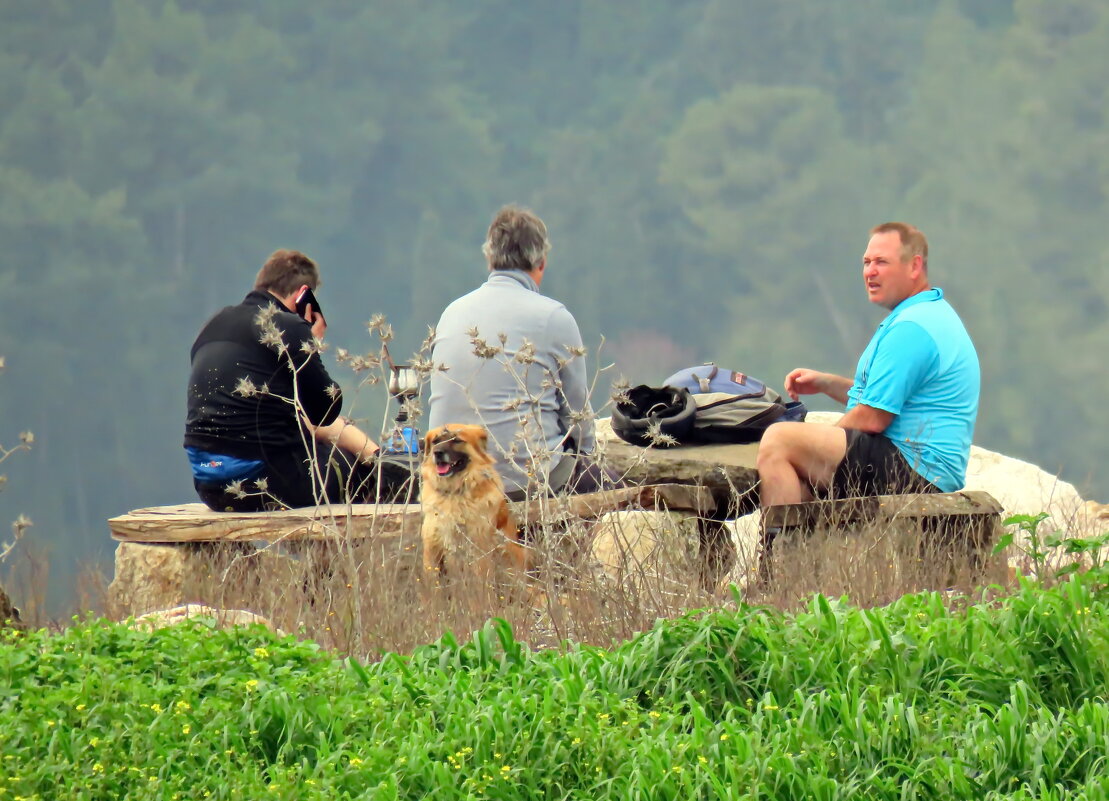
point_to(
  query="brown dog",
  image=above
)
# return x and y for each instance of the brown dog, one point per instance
(467, 526)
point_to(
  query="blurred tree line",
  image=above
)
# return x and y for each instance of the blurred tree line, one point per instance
(708, 171)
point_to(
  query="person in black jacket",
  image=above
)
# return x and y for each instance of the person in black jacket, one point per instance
(263, 428)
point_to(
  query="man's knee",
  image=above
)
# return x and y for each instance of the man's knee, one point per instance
(779, 442)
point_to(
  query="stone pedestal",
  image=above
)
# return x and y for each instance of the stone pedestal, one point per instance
(657, 550)
(150, 577)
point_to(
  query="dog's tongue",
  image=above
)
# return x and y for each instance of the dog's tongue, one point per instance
(443, 469)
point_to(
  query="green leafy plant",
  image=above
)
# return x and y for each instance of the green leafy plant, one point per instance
(1044, 550)
(915, 700)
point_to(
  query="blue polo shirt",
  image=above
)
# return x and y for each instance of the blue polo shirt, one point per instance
(921, 367)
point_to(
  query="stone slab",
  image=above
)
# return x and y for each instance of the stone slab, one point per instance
(195, 522)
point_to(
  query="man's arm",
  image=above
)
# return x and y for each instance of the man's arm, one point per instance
(899, 364)
(804, 381)
(347, 436)
(866, 418)
(574, 377)
(318, 396)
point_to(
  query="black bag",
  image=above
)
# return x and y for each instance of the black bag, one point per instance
(702, 405)
(646, 412)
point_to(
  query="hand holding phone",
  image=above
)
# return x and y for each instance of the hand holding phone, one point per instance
(305, 299)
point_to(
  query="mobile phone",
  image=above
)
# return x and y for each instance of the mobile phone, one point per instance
(303, 300)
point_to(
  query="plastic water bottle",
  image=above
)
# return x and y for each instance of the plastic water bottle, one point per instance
(410, 440)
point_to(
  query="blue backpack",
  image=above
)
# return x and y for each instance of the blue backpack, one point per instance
(703, 405)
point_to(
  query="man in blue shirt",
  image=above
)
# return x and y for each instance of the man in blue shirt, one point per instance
(911, 406)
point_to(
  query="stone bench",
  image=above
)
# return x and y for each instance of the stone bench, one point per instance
(945, 533)
(171, 555)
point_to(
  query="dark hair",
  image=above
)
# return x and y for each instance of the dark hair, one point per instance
(517, 240)
(285, 271)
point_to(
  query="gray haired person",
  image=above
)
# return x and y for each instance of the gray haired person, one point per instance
(514, 363)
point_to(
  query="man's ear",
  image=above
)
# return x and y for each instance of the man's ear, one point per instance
(916, 268)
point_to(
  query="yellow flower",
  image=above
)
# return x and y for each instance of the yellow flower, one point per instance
(97, 768)
(355, 762)
(702, 760)
(186, 729)
(94, 742)
(505, 768)
(724, 736)
(182, 706)
(677, 768)
(80, 707)
(654, 714)
(577, 741)
(156, 708)
(261, 653)
(252, 684)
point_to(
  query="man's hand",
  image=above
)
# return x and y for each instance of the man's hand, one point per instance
(804, 381)
(315, 319)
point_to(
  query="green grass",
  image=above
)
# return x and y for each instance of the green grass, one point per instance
(910, 701)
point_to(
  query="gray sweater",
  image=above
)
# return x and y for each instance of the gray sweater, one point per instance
(532, 405)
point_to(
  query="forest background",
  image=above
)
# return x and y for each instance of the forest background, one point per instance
(708, 171)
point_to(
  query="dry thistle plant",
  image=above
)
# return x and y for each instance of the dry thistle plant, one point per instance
(9, 615)
(22, 522)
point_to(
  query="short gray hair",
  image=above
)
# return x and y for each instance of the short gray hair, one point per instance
(517, 240)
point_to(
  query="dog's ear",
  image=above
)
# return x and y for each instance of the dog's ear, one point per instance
(428, 437)
(483, 437)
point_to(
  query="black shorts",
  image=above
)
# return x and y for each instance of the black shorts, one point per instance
(874, 466)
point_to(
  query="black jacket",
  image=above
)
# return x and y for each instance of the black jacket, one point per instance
(228, 350)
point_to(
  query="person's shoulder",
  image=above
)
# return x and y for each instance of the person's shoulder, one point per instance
(294, 328)
(926, 312)
(555, 310)
(553, 304)
(464, 305)
(935, 317)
